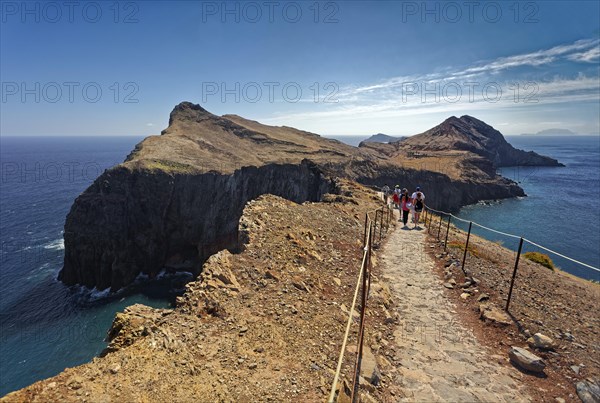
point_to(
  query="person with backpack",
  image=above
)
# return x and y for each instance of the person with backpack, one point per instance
(406, 204)
(418, 204)
(386, 192)
(396, 197)
(414, 195)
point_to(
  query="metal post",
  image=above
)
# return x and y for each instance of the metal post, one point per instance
(447, 231)
(426, 209)
(365, 234)
(387, 219)
(466, 246)
(429, 226)
(374, 222)
(512, 281)
(381, 225)
(439, 227)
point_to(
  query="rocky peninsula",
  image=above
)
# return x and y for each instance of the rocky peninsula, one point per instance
(270, 219)
(178, 197)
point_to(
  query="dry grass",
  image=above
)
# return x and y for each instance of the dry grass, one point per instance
(540, 258)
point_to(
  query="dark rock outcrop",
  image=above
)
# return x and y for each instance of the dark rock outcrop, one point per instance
(383, 138)
(132, 222)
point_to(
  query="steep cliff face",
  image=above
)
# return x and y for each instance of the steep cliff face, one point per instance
(141, 221)
(470, 134)
(442, 192)
(178, 197)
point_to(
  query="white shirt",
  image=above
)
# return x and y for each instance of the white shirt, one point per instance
(414, 195)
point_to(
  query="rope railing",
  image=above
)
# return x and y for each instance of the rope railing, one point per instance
(376, 221)
(516, 237)
(521, 241)
(348, 324)
(561, 255)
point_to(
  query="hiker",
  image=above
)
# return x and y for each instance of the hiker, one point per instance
(386, 192)
(418, 205)
(396, 198)
(414, 195)
(406, 204)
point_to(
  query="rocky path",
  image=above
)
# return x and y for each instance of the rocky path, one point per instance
(440, 358)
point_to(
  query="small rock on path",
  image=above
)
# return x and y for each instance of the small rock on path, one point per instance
(438, 359)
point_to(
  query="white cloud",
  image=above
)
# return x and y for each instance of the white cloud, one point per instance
(452, 91)
(537, 58)
(589, 56)
(585, 50)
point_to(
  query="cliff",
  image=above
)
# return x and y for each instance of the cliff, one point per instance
(264, 324)
(178, 197)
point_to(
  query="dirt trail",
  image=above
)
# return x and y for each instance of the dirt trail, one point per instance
(440, 359)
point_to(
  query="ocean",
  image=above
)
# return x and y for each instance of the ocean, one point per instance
(46, 327)
(562, 209)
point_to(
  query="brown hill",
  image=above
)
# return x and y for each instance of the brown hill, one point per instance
(469, 134)
(198, 141)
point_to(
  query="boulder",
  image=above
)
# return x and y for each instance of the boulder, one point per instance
(589, 391)
(542, 342)
(494, 314)
(526, 359)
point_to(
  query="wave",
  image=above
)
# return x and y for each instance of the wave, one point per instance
(90, 296)
(57, 244)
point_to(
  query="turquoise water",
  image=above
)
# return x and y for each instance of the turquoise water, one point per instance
(45, 326)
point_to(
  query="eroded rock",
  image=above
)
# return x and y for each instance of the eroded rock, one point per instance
(494, 314)
(526, 359)
(542, 342)
(589, 391)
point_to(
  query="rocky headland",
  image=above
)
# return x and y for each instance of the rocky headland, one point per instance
(178, 197)
(270, 220)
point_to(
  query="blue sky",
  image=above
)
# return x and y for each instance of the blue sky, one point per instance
(333, 67)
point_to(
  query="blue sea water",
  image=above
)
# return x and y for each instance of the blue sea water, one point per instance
(45, 326)
(562, 209)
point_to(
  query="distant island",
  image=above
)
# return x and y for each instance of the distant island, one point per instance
(383, 138)
(552, 132)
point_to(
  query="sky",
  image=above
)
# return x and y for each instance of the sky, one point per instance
(331, 67)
